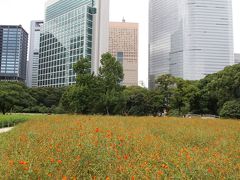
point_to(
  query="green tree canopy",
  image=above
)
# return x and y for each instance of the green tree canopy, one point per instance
(111, 75)
(231, 109)
(216, 89)
(14, 94)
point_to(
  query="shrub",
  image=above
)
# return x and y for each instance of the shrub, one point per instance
(231, 109)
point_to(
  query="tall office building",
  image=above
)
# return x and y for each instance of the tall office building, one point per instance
(123, 44)
(13, 53)
(32, 65)
(72, 29)
(237, 58)
(189, 38)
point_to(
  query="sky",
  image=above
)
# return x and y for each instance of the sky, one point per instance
(15, 12)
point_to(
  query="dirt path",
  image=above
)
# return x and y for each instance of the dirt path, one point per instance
(5, 129)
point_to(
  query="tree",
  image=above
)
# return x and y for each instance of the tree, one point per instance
(156, 102)
(83, 70)
(75, 99)
(93, 94)
(231, 109)
(47, 96)
(216, 89)
(182, 94)
(111, 71)
(136, 101)
(111, 75)
(165, 84)
(84, 96)
(14, 94)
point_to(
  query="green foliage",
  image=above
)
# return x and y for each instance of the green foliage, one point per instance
(91, 94)
(136, 101)
(181, 95)
(104, 94)
(12, 120)
(14, 94)
(76, 99)
(16, 97)
(83, 97)
(47, 96)
(175, 94)
(231, 109)
(111, 71)
(156, 102)
(165, 84)
(216, 89)
(111, 75)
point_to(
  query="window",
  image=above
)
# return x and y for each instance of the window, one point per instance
(120, 57)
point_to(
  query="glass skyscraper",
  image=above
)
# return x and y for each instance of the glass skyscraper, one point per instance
(237, 58)
(189, 38)
(72, 29)
(13, 53)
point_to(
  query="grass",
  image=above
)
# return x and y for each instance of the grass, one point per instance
(12, 120)
(98, 147)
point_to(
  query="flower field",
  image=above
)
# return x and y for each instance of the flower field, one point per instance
(98, 147)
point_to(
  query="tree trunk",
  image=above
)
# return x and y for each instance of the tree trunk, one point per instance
(107, 110)
(179, 110)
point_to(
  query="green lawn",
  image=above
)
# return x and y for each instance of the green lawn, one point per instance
(12, 120)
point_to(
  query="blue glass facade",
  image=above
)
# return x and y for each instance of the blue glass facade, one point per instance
(13, 53)
(62, 6)
(66, 36)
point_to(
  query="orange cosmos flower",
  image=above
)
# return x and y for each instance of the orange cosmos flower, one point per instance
(11, 162)
(52, 160)
(109, 134)
(64, 178)
(107, 178)
(160, 173)
(78, 158)
(125, 157)
(59, 161)
(164, 166)
(22, 162)
(210, 170)
(97, 130)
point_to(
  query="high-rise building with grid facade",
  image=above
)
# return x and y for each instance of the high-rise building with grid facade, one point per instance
(72, 29)
(237, 58)
(189, 38)
(123, 44)
(33, 57)
(13, 53)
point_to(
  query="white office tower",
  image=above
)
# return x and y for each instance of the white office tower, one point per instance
(32, 64)
(100, 32)
(72, 29)
(189, 38)
(237, 58)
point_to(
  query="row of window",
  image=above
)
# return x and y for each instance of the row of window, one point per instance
(52, 69)
(57, 82)
(51, 75)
